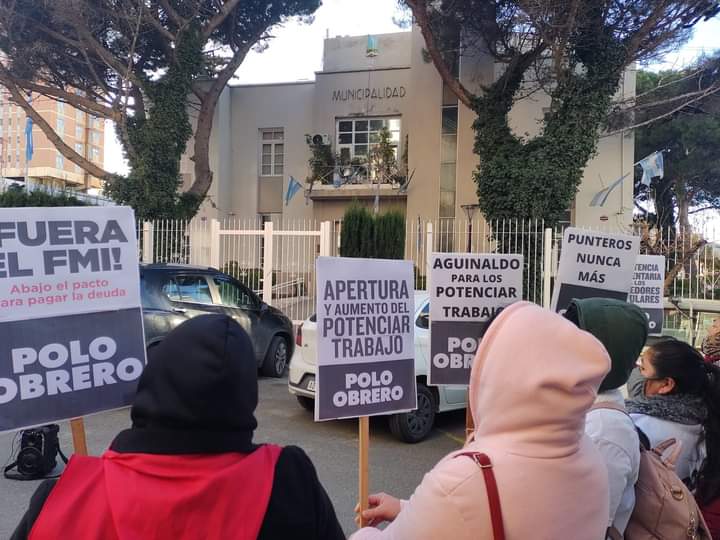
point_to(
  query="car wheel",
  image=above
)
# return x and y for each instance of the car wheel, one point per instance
(414, 426)
(276, 359)
(306, 403)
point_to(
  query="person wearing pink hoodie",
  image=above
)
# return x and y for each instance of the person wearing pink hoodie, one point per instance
(533, 379)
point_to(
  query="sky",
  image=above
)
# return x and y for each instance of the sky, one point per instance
(295, 53)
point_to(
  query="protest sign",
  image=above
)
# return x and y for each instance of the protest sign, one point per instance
(466, 290)
(366, 352)
(594, 264)
(71, 333)
(647, 290)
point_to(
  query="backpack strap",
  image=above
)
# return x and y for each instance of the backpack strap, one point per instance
(483, 461)
(660, 449)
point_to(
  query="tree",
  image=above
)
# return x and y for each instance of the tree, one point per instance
(688, 135)
(142, 64)
(574, 50)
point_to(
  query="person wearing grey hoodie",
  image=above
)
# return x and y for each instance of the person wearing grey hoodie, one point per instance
(622, 328)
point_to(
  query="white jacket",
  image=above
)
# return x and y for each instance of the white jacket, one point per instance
(615, 437)
(658, 430)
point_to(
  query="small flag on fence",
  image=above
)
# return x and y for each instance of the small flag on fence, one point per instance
(293, 187)
(653, 166)
(29, 147)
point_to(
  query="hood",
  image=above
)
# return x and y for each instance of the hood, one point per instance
(534, 377)
(621, 327)
(198, 392)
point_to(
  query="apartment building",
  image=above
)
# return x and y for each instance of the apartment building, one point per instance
(48, 167)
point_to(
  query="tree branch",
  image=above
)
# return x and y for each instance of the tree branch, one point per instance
(225, 10)
(50, 133)
(419, 10)
(705, 209)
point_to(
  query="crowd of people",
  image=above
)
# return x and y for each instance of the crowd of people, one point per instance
(556, 452)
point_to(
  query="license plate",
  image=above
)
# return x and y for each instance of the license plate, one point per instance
(311, 385)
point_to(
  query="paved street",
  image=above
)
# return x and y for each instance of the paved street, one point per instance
(395, 467)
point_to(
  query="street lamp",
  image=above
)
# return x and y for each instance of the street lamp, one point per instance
(469, 212)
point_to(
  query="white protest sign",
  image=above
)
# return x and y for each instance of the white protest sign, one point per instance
(647, 290)
(71, 332)
(594, 264)
(466, 290)
(365, 310)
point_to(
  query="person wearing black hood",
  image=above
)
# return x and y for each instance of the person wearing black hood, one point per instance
(622, 328)
(188, 469)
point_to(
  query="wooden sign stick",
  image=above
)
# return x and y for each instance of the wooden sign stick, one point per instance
(363, 465)
(77, 426)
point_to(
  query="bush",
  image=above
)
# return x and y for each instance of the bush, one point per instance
(16, 196)
(250, 277)
(366, 236)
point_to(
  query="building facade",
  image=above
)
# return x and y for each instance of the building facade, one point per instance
(48, 167)
(259, 139)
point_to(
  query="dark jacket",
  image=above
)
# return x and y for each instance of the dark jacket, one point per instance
(197, 395)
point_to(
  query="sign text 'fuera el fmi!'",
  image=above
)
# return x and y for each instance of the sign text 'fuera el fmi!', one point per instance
(366, 353)
(466, 290)
(71, 335)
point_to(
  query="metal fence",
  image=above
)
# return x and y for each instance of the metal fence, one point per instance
(286, 279)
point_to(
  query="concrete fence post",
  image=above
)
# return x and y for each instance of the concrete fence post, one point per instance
(547, 267)
(148, 247)
(214, 238)
(325, 238)
(267, 262)
(429, 248)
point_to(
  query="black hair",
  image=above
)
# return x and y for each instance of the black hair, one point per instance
(692, 375)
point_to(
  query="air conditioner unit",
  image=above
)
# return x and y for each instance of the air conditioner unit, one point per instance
(318, 139)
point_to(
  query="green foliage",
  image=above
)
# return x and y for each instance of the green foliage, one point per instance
(390, 236)
(538, 178)
(250, 277)
(159, 140)
(322, 163)
(357, 237)
(16, 196)
(366, 236)
(382, 159)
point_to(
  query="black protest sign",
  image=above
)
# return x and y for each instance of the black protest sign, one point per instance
(366, 353)
(466, 290)
(594, 265)
(71, 334)
(647, 290)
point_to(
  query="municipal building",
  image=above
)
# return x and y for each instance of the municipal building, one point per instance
(260, 139)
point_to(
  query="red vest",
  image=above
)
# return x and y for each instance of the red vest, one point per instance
(158, 497)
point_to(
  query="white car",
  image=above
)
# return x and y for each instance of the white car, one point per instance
(410, 427)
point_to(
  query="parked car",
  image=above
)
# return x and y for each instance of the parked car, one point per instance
(173, 293)
(409, 427)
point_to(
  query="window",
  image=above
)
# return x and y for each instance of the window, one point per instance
(80, 149)
(79, 116)
(61, 126)
(60, 107)
(95, 153)
(423, 318)
(233, 295)
(355, 137)
(272, 152)
(95, 137)
(79, 133)
(59, 161)
(193, 289)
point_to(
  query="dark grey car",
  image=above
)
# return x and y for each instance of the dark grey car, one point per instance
(173, 293)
